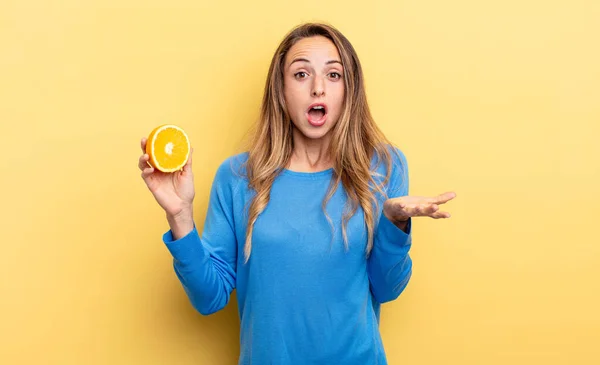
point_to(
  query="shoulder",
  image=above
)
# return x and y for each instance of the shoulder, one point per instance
(395, 167)
(233, 168)
(230, 176)
(397, 161)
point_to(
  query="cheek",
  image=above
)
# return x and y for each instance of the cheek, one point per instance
(338, 91)
(338, 99)
(292, 99)
(289, 101)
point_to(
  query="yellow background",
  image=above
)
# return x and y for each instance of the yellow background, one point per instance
(496, 100)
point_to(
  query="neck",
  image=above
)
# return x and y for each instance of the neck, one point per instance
(310, 155)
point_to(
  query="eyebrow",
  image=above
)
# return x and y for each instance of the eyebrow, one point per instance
(306, 60)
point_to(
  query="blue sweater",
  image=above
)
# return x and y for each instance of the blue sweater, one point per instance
(303, 298)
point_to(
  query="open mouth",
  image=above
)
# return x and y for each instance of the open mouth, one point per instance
(317, 114)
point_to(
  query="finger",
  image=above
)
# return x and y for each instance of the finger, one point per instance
(420, 210)
(143, 144)
(188, 165)
(444, 198)
(428, 209)
(143, 161)
(147, 172)
(440, 215)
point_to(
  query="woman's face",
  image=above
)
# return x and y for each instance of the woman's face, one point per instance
(313, 86)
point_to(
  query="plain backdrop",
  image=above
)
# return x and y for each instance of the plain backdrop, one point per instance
(496, 100)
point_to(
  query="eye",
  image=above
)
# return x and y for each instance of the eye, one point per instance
(335, 75)
(300, 75)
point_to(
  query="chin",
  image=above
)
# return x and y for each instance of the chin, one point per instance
(315, 135)
(315, 132)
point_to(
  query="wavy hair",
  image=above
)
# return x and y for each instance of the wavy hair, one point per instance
(355, 138)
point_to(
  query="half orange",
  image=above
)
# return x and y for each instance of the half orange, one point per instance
(168, 147)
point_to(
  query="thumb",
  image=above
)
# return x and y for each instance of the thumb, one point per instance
(188, 165)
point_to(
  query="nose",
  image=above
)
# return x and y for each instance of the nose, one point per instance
(318, 88)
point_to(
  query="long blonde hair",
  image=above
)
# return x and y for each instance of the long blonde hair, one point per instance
(355, 138)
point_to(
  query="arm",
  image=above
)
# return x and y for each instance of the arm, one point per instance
(206, 264)
(389, 265)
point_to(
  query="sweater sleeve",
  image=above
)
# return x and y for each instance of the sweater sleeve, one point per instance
(389, 264)
(205, 264)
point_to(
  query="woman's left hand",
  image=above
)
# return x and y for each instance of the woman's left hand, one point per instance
(402, 208)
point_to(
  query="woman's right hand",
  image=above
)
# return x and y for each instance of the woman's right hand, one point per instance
(174, 192)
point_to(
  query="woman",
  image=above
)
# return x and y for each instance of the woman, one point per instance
(311, 226)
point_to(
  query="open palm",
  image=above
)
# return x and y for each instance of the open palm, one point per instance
(404, 207)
